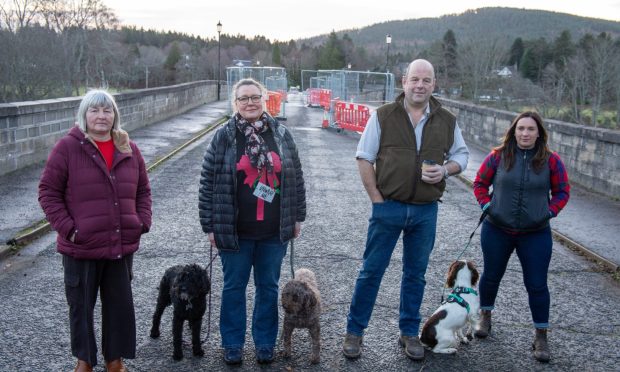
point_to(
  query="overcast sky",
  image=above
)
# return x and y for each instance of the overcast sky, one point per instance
(292, 19)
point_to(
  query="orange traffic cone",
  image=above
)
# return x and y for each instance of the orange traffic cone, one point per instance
(325, 120)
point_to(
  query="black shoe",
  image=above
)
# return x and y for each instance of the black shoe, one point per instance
(264, 355)
(233, 356)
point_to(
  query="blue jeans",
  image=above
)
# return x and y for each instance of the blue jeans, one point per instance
(390, 218)
(265, 256)
(534, 252)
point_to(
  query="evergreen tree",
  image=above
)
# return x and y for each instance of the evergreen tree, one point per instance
(450, 54)
(276, 55)
(536, 57)
(174, 56)
(516, 53)
(331, 56)
(563, 49)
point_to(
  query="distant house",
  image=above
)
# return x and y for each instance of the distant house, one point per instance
(505, 72)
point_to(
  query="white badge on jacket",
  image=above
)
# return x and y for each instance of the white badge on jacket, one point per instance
(264, 192)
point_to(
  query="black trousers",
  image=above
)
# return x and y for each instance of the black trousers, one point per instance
(112, 279)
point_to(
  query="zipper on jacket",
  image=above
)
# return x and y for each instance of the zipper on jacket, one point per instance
(418, 152)
(521, 188)
(277, 138)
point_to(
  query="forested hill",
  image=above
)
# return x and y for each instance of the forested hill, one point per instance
(486, 23)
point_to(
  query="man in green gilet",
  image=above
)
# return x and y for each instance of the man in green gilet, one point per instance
(408, 149)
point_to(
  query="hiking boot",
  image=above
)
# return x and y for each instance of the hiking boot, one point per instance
(413, 347)
(264, 355)
(540, 346)
(233, 356)
(352, 346)
(484, 324)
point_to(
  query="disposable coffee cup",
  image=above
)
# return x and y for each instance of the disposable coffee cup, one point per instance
(427, 163)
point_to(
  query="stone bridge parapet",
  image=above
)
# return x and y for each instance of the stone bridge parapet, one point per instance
(591, 155)
(28, 130)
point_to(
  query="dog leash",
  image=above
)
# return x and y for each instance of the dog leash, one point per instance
(482, 216)
(291, 258)
(210, 266)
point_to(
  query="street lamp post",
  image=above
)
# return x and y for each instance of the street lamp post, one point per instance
(219, 71)
(388, 41)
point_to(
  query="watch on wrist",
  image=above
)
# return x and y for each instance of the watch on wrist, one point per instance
(445, 173)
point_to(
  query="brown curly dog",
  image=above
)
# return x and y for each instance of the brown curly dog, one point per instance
(301, 301)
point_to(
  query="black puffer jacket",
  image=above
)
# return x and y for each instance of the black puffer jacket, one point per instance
(217, 195)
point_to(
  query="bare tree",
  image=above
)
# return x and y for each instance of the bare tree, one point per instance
(478, 58)
(576, 74)
(603, 59)
(61, 15)
(73, 19)
(16, 14)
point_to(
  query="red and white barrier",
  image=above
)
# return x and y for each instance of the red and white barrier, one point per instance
(318, 97)
(274, 102)
(351, 116)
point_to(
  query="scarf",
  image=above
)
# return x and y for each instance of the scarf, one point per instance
(255, 146)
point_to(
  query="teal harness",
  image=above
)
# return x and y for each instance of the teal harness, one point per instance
(455, 296)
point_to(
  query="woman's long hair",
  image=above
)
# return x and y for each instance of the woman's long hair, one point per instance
(509, 143)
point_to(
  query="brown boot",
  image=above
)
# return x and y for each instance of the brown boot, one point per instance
(115, 366)
(352, 346)
(484, 324)
(540, 346)
(82, 366)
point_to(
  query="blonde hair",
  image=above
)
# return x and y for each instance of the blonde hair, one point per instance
(248, 81)
(97, 98)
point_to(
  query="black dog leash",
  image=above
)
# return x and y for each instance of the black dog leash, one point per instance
(291, 258)
(210, 266)
(482, 216)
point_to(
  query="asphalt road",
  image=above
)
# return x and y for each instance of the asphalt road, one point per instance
(584, 317)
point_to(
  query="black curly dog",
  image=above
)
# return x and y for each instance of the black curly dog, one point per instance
(186, 288)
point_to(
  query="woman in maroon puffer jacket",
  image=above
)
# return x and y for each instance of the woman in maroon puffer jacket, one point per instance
(95, 193)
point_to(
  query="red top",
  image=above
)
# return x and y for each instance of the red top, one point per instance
(107, 150)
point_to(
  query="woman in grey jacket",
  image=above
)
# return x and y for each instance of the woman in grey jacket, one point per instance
(252, 201)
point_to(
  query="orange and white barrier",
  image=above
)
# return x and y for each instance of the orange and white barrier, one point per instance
(351, 116)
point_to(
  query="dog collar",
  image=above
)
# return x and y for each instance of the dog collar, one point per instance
(466, 290)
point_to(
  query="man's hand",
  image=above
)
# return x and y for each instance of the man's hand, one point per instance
(433, 173)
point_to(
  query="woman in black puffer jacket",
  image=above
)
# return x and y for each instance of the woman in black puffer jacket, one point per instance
(252, 201)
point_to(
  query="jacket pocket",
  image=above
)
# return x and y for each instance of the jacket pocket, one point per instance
(131, 228)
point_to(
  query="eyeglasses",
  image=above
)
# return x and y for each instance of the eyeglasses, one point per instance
(244, 100)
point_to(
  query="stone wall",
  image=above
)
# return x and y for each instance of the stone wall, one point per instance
(591, 155)
(28, 130)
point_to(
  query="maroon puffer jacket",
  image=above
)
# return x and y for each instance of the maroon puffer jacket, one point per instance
(107, 210)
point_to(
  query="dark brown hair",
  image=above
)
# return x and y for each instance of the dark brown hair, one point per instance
(509, 143)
